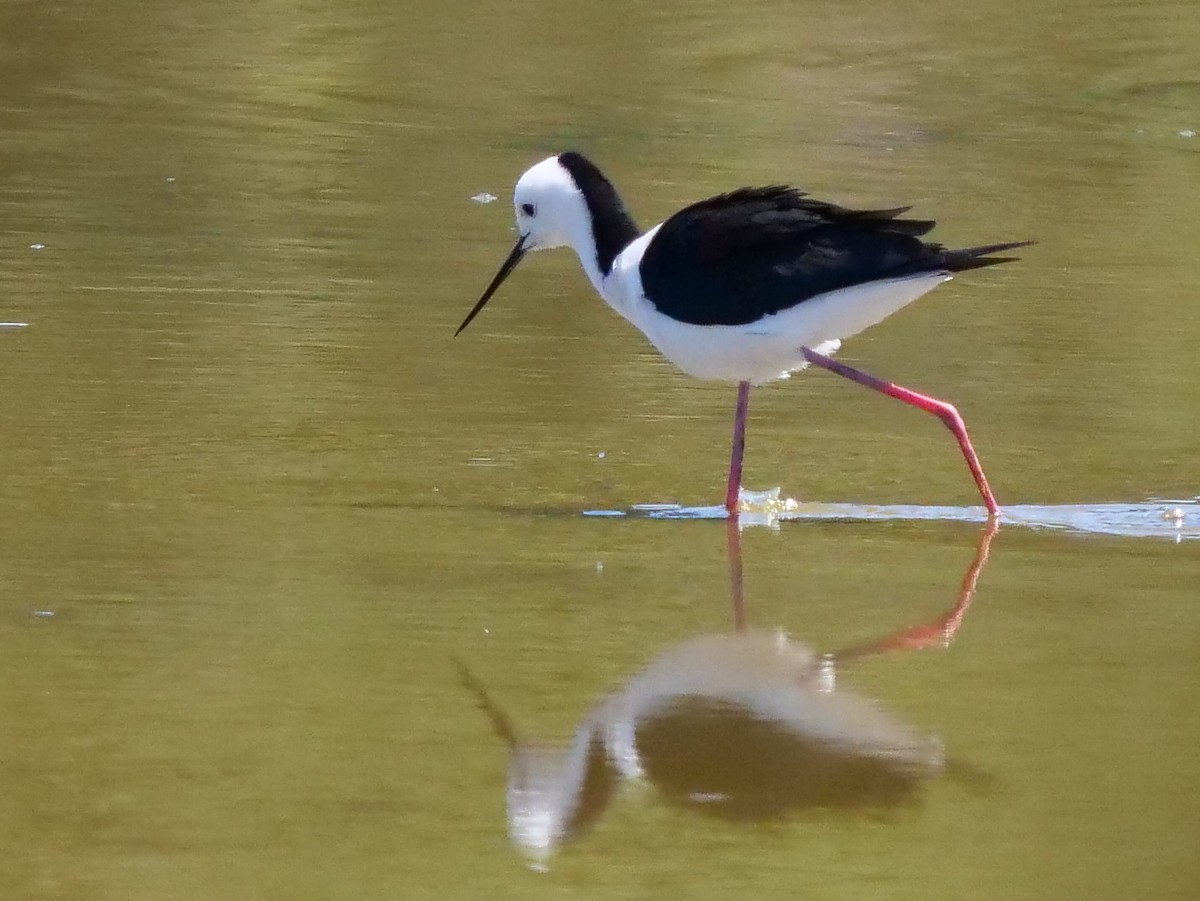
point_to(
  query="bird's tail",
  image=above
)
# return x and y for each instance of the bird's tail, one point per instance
(978, 257)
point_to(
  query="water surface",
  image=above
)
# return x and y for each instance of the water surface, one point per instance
(260, 507)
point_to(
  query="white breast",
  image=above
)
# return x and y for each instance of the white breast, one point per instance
(769, 348)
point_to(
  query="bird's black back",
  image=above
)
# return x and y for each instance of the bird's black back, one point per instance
(736, 257)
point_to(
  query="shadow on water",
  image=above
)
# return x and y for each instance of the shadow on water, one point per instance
(748, 726)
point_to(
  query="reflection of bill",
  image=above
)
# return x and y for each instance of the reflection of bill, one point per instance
(747, 726)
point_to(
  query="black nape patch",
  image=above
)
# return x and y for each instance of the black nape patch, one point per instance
(612, 226)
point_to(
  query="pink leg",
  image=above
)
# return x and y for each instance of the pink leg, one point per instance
(734, 487)
(939, 408)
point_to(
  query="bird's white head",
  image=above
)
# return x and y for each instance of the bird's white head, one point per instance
(550, 208)
(551, 212)
(565, 201)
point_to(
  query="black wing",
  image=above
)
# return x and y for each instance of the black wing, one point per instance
(734, 258)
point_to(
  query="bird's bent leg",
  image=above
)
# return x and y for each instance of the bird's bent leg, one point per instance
(939, 408)
(734, 486)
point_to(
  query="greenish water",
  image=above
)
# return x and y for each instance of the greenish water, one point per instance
(260, 509)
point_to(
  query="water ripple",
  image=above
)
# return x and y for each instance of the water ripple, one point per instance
(1175, 520)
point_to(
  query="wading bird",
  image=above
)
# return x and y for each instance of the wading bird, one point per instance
(747, 286)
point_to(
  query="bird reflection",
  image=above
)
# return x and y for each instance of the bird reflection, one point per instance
(749, 725)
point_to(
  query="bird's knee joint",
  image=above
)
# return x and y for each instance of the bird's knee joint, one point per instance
(949, 415)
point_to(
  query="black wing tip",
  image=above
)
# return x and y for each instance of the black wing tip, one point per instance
(789, 198)
(984, 255)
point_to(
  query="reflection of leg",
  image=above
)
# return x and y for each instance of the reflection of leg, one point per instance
(734, 486)
(943, 629)
(939, 408)
(733, 544)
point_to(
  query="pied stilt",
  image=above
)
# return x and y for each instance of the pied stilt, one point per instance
(748, 286)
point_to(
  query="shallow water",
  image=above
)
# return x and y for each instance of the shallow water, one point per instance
(1174, 520)
(262, 512)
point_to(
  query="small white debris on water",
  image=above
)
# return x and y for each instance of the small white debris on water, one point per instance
(170, 179)
(1188, 133)
(37, 246)
(14, 325)
(484, 197)
(599, 566)
(43, 614)
(601, 455)
(1175, 516)
(483, 461)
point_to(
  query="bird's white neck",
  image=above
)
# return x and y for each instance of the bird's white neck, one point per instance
(582, 241)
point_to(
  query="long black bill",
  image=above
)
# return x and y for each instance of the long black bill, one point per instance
(509, 265)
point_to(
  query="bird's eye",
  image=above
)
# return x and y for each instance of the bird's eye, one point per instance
(528, 209)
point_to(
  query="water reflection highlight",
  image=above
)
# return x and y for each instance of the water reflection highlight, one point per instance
(1177, 520)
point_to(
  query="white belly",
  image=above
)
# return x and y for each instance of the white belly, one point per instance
(770, 348)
